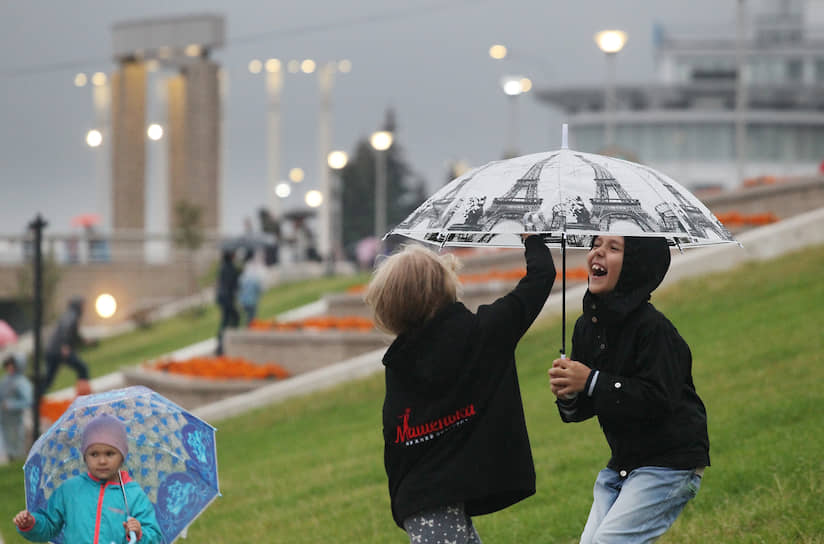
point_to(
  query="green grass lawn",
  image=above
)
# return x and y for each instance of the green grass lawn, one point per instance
(310, 470)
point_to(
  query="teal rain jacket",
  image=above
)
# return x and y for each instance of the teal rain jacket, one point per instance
(90, 510)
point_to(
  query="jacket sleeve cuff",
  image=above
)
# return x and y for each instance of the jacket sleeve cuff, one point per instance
(30, 527)
(592, 381)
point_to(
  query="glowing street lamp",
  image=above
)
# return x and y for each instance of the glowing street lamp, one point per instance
(498, 51)
(154, 132)
(513, 87)
(296, 175)
(313, 198)
(94, 138)
(380, 141)
(105, 305)
(283, 189)
(336, 160)
(610, 42)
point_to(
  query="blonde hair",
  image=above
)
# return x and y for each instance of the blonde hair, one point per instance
(410, 287)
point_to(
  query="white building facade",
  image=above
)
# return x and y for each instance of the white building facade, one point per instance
(686, 123)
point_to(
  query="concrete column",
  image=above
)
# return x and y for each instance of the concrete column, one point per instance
(176, 150)
(129, 147)
(202, 139)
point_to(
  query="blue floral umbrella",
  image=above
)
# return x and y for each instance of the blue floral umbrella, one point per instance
(172, 454)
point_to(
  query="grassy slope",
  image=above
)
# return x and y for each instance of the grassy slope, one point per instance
(310, 470)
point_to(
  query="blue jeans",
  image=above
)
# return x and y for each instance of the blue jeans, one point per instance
(640, 507)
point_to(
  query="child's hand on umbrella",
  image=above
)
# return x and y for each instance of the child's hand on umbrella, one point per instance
(132, 524)
(24, 520)
(567, 377)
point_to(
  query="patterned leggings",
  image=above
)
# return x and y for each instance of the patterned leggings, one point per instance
(442, 525)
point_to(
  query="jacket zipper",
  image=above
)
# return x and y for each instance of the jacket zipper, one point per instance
(99, 513)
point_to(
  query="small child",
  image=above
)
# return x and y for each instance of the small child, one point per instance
(455, 438)
(631, 368)
(16, 394)
(90, 507)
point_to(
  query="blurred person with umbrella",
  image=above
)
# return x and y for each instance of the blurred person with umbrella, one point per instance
(171, 455)
(62, 346)
(103, 505)
(16, 397)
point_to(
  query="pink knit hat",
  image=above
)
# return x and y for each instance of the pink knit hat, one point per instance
(105, 429)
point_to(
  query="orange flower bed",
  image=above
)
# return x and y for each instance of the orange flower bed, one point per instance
(220, 368)
(323, 322)
(512, 274)
(735, 219)
(53, 409)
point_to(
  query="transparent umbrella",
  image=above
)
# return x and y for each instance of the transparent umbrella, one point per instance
(567, 197)
(172, 454)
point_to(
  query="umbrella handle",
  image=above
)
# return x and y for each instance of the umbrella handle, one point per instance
(571, 395)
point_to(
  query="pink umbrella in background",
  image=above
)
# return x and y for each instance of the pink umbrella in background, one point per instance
(86, 220)
(7, 335)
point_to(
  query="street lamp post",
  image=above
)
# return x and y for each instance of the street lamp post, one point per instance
(610, 42)
(336, 160)
(513, 87)
(381, 141)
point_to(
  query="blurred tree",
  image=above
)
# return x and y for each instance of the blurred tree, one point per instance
(405, 189)
(188, 235)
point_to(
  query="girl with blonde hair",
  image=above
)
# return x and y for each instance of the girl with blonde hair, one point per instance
(455, 438)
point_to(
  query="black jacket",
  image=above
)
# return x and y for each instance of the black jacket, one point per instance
(643, 392)
(453, 421)
(67, 330)
(227, 282)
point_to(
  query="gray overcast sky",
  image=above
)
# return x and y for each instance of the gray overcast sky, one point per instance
(427, 59)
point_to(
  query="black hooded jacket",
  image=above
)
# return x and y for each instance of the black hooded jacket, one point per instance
(67, 330)
(643, 393)
(453, 421)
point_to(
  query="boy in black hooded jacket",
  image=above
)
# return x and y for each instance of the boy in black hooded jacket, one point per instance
(455, 438)
(631, 368)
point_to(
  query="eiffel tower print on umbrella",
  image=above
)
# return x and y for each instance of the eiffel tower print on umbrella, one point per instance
(567, 197)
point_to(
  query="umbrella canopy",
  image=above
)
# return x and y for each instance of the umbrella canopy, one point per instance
(172, 454)
(7, 334)
(250, 242)
(86, 220)
(567, 197)
(560, 192)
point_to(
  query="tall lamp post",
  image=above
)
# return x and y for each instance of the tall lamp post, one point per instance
(380, 141)
(610, 42)
(336, 160)
(513, 87)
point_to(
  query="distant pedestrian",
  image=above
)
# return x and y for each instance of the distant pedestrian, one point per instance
(92, 507)
(16, 397)
(250, 288)
(455, 438)
(63, 343)
(226, 291)
(630, 367)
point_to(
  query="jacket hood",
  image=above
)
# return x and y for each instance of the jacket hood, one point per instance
(646, 261)
(433, 353)
(76, 305)
(18, 360)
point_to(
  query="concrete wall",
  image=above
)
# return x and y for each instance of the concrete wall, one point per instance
(301, 351)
